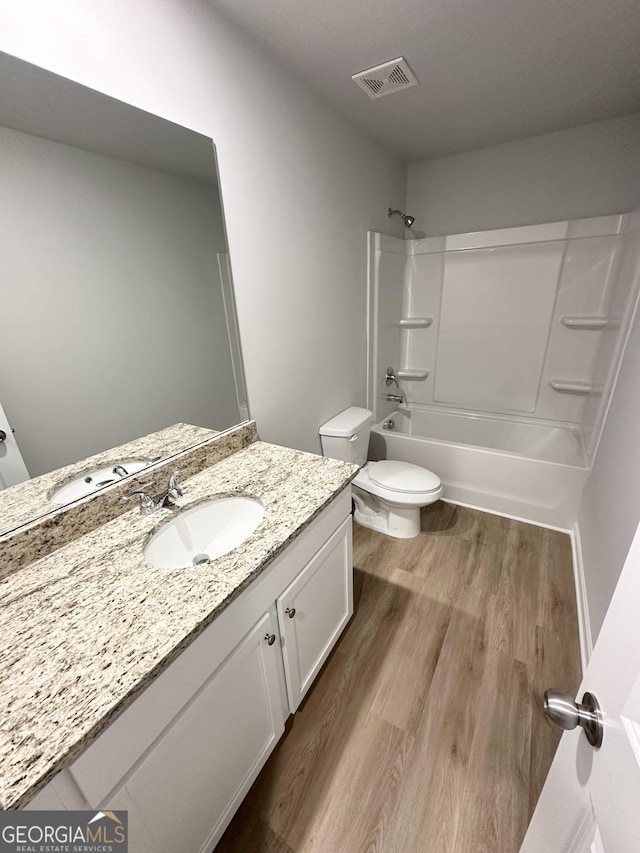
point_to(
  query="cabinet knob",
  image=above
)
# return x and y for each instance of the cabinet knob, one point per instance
(270, 638)
(290, 611)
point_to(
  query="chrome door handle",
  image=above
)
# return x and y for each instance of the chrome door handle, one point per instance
(568, 714)
(3, 435)
(291, 612)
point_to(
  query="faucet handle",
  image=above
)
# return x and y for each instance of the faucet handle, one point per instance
(174, 489)
(390, 377)
(147, 504)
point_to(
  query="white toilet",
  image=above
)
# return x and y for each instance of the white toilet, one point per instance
(387, 495)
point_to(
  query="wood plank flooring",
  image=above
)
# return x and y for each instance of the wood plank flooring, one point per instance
(424, 730)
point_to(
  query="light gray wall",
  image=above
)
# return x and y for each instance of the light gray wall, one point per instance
(585, 171)
(111, 305)
(610, 510)
(300, 185)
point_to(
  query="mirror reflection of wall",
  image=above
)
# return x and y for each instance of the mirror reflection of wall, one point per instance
(114, 318)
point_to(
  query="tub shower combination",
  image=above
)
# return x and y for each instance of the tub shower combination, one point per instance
(505, 345)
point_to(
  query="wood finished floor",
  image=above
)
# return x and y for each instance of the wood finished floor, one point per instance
(424, 730)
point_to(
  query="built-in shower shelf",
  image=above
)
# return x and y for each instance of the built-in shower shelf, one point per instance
(593, 323)
(412, 375)
(415, 322)
(573, 386)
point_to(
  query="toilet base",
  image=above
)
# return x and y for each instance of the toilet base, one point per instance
(400, 522)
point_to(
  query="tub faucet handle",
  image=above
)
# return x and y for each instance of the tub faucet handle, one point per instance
(390, 377)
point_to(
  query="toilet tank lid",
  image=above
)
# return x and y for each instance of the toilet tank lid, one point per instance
(347, 423)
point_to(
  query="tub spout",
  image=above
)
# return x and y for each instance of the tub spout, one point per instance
(396, 398)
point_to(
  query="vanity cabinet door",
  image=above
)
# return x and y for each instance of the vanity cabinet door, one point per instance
(314, 610)
(188, 788)
(138, 835)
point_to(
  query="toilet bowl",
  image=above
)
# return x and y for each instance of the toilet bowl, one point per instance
(388, 495)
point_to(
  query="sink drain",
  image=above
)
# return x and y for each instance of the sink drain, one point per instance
(200, 559)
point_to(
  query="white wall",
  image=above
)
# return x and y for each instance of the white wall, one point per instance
(111, 301)
(610, 510)
(584, 171)
(300, 186)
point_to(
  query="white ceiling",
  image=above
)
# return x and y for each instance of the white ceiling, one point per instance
(490, 70)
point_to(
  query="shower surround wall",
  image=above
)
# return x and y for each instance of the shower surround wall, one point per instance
(505, 344)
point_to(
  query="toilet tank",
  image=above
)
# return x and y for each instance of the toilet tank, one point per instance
(346, 436)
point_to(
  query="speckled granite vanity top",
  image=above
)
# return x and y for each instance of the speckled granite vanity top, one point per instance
(85, 629)
(30, 500)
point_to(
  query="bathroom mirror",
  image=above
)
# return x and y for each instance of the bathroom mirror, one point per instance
(116, 298)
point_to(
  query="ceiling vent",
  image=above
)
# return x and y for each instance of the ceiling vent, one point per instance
(386, 79)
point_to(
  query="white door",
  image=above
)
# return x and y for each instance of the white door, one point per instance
(12, 467)
(591, 799)
(314, 610)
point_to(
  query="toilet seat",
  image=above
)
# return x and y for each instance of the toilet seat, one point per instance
(403, 477)
(397, 496)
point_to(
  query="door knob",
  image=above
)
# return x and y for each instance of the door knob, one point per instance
(568, 714)
(290, 611)
(270, 638)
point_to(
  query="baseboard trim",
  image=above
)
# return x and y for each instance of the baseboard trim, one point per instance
(509, 515)
(584, 625)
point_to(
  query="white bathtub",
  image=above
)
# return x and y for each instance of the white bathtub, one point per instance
(532, 471)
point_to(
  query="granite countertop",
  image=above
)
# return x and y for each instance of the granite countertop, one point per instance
(88, 627)
(26, 501)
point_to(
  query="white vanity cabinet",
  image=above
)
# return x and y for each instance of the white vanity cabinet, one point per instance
(184, 754)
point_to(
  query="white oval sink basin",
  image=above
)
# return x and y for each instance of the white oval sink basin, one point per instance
(204, 532)
(96, 479)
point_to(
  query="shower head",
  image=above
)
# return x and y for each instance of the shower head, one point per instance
(408, 220)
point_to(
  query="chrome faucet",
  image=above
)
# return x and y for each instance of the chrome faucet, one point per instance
(390, 377)
(165, 500)
(173, 490)
(396, 398)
